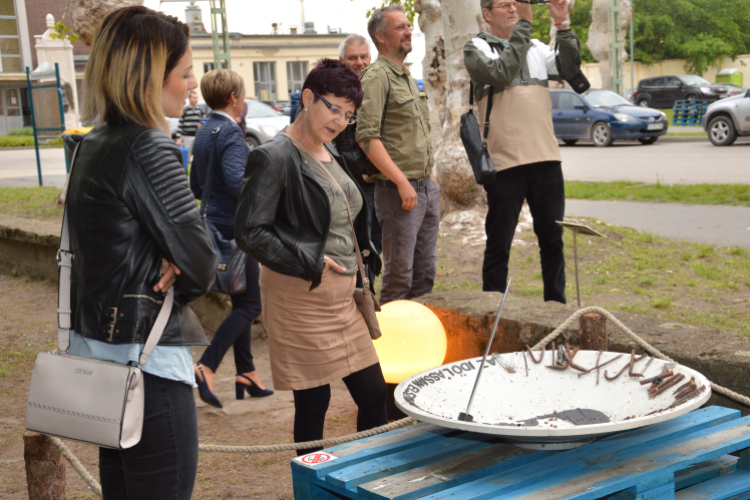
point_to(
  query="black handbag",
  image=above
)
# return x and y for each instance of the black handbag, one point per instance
(231, 262)
(476, 148)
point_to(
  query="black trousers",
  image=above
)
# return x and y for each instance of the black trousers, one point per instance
(542, 186)
(368, 390)
(162, 466)
(236, 330)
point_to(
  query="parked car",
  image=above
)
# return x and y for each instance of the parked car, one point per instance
(734, 90)
(663, 91)
(603, 116)
(284, 107)
(727, 119)
(262, 122)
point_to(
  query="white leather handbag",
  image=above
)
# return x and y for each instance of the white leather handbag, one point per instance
(88, 400)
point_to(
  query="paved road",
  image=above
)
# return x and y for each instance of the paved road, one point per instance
(18, 167)
(694, 162)
(714, 225)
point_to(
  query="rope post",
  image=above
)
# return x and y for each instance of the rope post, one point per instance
(45, 467)
(592, 332)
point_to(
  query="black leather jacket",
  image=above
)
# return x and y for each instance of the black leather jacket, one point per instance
(129, 206)
(283, 216)
(358, 163)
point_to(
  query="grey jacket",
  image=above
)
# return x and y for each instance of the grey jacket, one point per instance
(520, 60)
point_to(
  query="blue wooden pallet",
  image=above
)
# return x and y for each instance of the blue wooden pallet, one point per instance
(683, 459)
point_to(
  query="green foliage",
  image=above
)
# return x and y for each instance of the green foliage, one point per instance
(62, 32)
(21, 131)
(15, 141)
(408, 8)
(700, 31)
(580, 21)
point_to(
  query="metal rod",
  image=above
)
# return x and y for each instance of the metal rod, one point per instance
(575, 257)
(62, 114)
(33, 125)
(466, 416)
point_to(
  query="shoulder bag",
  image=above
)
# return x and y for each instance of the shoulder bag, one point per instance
(83, 399)
(231, 262)
(366, 302)
(475, 146)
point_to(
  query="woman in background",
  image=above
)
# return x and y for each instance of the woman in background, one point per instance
(224, 92)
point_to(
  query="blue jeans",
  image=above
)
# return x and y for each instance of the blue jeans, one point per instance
(542, 186)
(162, 466)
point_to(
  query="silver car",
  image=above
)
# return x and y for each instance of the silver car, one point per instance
(262, 122)
(727, 119)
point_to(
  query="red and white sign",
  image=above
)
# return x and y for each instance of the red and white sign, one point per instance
(317, 458)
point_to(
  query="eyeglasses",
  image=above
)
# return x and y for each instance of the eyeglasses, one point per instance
(350, 118)
(504, 6)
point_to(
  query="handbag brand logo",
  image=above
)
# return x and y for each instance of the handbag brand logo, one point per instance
(81, 371)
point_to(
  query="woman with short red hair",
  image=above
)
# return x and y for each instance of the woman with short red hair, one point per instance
(294, 218)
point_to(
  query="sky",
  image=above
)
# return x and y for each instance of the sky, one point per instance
(252, 17)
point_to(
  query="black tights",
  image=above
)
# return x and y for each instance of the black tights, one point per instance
(368, 390)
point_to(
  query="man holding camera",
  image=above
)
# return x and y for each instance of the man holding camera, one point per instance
(510, 71)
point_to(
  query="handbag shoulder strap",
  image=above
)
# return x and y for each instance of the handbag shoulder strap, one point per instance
(65, 266)
(360, 264)
(209, 173)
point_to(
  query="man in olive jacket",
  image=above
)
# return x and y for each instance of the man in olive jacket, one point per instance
(514, 69)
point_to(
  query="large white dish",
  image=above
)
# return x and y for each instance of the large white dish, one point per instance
(519, 406)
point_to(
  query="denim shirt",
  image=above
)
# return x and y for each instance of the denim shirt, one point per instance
(169, 362)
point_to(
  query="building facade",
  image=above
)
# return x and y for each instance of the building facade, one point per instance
(273, 66)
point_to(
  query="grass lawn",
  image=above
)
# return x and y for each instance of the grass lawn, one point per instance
(677, 281)
(699, 194)
(31, 202)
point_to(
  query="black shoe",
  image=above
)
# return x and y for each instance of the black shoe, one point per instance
(252, 389)
(204, 392)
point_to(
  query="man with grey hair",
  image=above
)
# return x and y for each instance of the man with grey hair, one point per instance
(510, 72)
(394, 132)
(354, 51)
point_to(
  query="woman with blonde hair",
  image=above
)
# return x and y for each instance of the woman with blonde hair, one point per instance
(298, 210)
(224, 92)
(134, 233)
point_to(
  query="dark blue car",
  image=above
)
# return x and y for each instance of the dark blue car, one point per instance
(603, 117)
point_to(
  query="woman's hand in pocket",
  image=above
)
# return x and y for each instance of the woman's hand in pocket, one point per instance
(333, 265)
(169, 273)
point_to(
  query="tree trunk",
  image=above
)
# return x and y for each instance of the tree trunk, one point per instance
(45, 468)
(87, 15)
(598, 42)
(461, 21)
(433, 64)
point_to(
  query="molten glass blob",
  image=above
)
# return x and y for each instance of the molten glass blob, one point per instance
(413, 340)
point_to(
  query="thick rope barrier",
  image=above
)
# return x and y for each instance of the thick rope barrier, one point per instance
(638, 340)
(77, 466)
(96, 488)
(308, 444)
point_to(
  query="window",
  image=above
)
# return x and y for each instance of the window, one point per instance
(656, 82)
(672, 81)
(210, 66)
(10, 43)
(265, 80)
(568, 102)
(296, 72)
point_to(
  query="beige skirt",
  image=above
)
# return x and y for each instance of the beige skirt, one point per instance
(315, 336)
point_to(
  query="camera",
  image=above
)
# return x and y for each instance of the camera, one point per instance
(533, 2)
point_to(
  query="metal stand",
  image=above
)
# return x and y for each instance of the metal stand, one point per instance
(466, 416)
(578, 228)
(36, 75)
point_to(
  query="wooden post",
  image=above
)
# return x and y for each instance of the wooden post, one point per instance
(45, 468)
(592, 332)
